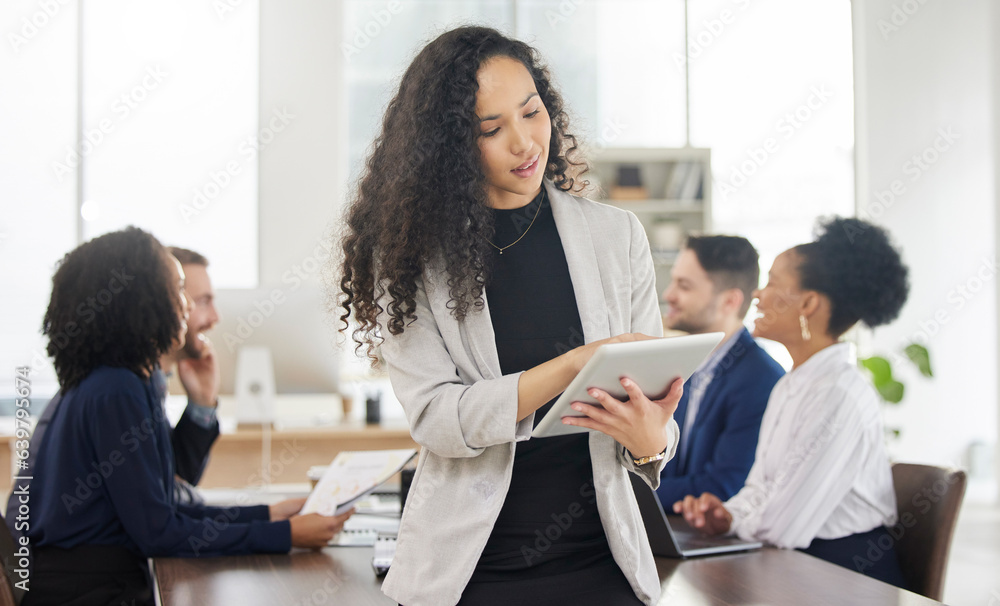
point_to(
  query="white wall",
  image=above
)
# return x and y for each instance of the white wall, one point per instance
(302, 170)
(934, 71)
(920, 74)
(995, 27)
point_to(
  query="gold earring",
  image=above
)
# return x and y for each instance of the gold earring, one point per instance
(804, 325)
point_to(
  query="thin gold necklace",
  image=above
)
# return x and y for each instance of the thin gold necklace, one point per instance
(522, 235)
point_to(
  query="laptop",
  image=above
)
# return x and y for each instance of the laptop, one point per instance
(670, 536)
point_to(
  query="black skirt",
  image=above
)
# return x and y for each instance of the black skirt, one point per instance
(871, 553)
(600, 584)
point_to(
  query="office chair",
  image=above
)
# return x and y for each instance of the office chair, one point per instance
(928, 499)
(8, 562)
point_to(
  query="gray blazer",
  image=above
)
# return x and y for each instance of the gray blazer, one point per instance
(462, 412)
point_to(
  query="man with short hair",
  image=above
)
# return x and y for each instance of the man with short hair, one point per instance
(711, 287)
(198, 372)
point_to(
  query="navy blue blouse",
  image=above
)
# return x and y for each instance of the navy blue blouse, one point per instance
(104, 474)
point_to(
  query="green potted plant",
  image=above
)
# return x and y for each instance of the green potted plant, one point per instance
(889, 388)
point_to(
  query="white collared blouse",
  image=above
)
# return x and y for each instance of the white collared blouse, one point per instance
(821, 469)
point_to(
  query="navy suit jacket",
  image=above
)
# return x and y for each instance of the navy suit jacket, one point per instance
(190, 442)
(723, 439)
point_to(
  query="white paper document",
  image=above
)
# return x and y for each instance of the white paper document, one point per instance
(351, 476)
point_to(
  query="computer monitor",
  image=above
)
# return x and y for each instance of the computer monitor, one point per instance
(293, 323)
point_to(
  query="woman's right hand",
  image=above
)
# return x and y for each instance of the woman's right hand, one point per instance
(313, 531)
(540, 384)
(706, 513)
(582, 354)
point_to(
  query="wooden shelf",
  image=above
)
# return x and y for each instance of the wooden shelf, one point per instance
(663, 173)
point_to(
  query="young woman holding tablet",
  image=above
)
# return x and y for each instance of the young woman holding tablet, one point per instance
(487, 286)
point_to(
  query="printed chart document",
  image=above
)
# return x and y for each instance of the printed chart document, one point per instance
(351, 476)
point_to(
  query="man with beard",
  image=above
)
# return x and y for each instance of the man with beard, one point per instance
(711, 286)
(198, 428)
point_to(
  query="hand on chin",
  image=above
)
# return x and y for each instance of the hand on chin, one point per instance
(194, 348)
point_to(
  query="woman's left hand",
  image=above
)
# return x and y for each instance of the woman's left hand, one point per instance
(639, 424)
(286, 509)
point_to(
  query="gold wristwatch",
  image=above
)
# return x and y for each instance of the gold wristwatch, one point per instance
(650, 459)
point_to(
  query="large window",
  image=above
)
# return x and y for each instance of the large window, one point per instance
(37, 210)
(176, 83)
(147, 113)
(770, 89)
(599, 54)
(772, 94)
(120, 113)
(767, 86)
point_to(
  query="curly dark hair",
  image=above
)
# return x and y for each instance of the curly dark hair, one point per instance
(422, 195)
(855, 264)
(112, 304)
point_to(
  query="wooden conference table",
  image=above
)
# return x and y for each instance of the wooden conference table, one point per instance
(343, 575)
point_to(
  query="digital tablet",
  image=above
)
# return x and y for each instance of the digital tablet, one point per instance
(653, 365)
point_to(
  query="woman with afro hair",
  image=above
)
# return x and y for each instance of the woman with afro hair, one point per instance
(101, 461)
(486, 285)
(821, 480)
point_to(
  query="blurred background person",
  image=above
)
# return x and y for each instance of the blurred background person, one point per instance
(198, 373)
(821, 481)
(102, 487)
(711, 287)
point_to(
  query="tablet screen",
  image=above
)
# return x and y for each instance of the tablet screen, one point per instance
(653, 365)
